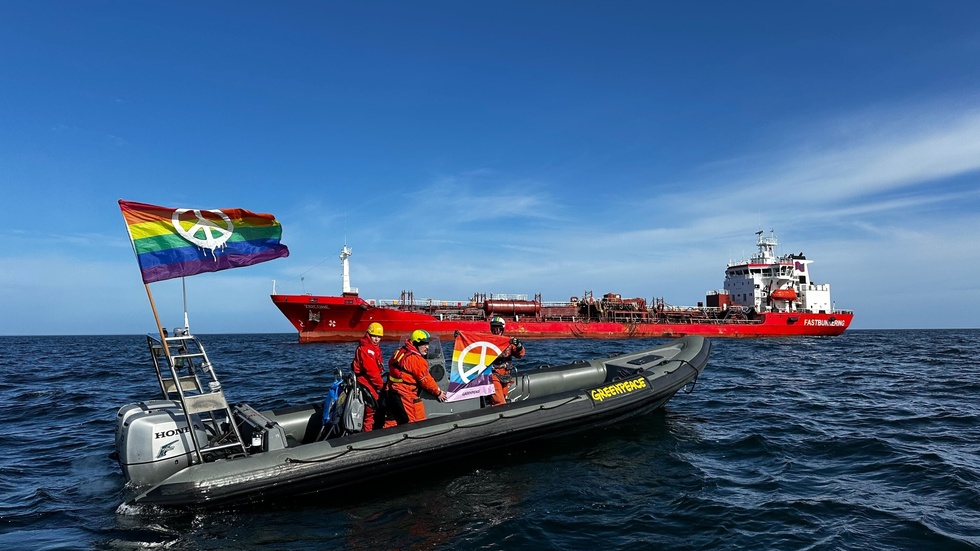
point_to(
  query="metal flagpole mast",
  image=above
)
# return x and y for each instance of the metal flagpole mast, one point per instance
(183, 289)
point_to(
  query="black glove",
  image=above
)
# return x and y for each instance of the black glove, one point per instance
(456, 334)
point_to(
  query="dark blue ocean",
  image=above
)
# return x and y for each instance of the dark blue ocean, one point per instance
(870, 440)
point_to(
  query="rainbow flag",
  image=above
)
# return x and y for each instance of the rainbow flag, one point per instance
(173, 243)
(473, 355)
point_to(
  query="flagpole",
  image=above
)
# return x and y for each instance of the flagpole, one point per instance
(183, 289)
(156, 318)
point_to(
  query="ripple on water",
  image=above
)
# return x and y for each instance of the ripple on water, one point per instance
(869, 440)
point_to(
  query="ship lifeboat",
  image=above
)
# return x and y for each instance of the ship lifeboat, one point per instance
(784, 294)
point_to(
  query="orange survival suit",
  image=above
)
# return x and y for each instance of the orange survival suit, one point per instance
(408, 376)
(503, 376)
(368, 365)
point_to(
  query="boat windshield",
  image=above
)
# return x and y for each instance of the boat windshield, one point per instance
(435, 355)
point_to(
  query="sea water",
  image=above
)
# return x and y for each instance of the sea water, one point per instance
(866, 440)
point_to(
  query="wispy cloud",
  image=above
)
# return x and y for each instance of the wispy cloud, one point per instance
(852, 166)
(892, 155)
(74, 130)
(481, 196)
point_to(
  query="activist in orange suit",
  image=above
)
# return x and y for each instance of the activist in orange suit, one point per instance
(368, 365)
(503, 377)
(408, 377)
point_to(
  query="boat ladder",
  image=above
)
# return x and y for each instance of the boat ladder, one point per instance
(186, 375)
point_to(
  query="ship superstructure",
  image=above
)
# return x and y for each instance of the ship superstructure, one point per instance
(766, 282)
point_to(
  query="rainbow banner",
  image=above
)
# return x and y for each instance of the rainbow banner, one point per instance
(473, 354)
(173, 243)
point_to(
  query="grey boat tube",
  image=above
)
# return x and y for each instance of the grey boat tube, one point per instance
(550, 380)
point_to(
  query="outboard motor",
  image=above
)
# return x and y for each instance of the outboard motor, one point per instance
(153, 440)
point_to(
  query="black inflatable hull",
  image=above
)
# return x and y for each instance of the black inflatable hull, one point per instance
(633, 384)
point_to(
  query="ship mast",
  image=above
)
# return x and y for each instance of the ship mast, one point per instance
(767, 248)
(344, 255)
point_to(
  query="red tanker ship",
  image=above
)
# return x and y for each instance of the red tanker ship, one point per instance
(764, 296)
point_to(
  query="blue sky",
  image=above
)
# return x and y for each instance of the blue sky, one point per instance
(496, 147)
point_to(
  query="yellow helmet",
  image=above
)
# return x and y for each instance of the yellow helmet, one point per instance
(420, 336)
(376, 330)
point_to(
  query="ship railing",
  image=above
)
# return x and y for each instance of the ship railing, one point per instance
(431, 302)
(422, 302)
(706, 309)
(558, 303)
(714, 321)
(819, 311)
(564, 318)
(505, 296)
(469, 303)
(461, 317)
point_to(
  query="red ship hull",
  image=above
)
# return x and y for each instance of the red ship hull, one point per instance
(345, 318)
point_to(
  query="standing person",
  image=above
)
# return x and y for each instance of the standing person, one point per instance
(368, 365)
(503, 377)
(408, 377)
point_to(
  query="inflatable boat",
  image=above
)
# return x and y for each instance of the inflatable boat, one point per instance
(191, 447)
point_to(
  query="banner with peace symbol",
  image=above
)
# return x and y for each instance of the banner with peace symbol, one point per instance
(473, 354)
(173, 243)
